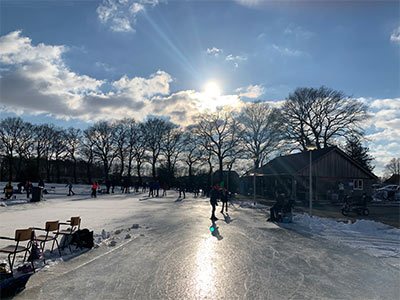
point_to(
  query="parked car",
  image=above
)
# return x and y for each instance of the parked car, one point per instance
(389, 192)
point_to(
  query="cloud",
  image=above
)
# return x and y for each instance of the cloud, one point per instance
(298, 32)
(36, 80)
(121, 15)
(235, 59)
(230, 58)
(250, 3)
(383, 130)
(287, 51)
(395, 36)
(214, 51)
(251, 91)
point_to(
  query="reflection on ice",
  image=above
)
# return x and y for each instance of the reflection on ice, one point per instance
(205, 272)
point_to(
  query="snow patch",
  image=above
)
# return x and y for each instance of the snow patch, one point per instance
(375, 238)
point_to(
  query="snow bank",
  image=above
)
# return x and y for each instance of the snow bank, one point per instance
(377, 239)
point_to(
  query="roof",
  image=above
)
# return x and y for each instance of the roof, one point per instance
(294, 163)
(394, 179)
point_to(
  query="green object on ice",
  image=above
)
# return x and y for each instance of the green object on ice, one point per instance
(212, 228)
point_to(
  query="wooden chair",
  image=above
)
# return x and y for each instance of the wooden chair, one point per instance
(51, 228)
(21, 235)
(74, 225)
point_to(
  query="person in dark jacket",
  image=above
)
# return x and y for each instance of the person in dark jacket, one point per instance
(277, 207)
(214, 196)
(224, 200)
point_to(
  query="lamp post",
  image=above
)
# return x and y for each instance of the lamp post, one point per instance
(254, 187)
(310, 148)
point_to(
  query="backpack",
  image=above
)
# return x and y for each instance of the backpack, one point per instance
(83, 238)
(36, 253)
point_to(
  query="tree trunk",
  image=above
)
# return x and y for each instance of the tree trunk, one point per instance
(58, 170)
(88, 172)
(138, 166)
(106, 169)
(221, 168)
(10, 168)
(74, 172)
(153, 168)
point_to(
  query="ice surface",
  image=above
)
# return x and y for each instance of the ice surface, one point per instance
(172, 254)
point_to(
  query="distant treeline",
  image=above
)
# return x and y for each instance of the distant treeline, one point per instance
(225, 140)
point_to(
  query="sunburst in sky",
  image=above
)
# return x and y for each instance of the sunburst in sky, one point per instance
(115, 59)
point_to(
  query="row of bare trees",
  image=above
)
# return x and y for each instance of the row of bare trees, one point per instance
(226, 138)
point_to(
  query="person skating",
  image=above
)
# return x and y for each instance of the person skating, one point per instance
(214, 195)
(224, 200)
(70, 191)
(8, 190)
(28, 188)
(94, 189)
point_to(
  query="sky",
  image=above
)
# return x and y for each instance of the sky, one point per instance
(76, 62)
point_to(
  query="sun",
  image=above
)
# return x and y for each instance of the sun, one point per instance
(212, 89)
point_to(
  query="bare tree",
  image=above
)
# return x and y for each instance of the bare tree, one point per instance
(121, 139)
(220, 131)
(393, 167)
(14, 136)
(102, 135)
(260, 131)
(320, 116)
(130, 133)
(41, 144)
(59, 149)
(73, 142)
(192, 149)
(87, 152)
(154, 130)
(171, 147)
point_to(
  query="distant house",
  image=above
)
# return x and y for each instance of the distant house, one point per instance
(333, 173)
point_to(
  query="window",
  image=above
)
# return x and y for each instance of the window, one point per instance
(358, 184)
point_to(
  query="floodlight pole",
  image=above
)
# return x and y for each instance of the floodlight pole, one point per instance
(254, 187)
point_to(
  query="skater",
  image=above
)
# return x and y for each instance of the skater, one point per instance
(182, 191)
(157, 188)
(277, 207)
(151, 189)
(214, 195)
(8, 190)
(70, 191)
(41, 183)
(94, 189)
(164, 188)
(28, 188)
(224, 200)
(20, 186)
(108, 186)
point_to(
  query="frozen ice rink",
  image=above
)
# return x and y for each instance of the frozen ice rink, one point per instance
(173, 255)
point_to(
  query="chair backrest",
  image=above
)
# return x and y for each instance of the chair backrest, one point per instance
(23, 234)
(51, 225)
(75, 221)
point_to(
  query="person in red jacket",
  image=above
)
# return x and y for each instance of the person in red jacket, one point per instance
(95, 186)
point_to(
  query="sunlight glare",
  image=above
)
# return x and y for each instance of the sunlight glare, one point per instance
(212, 89)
